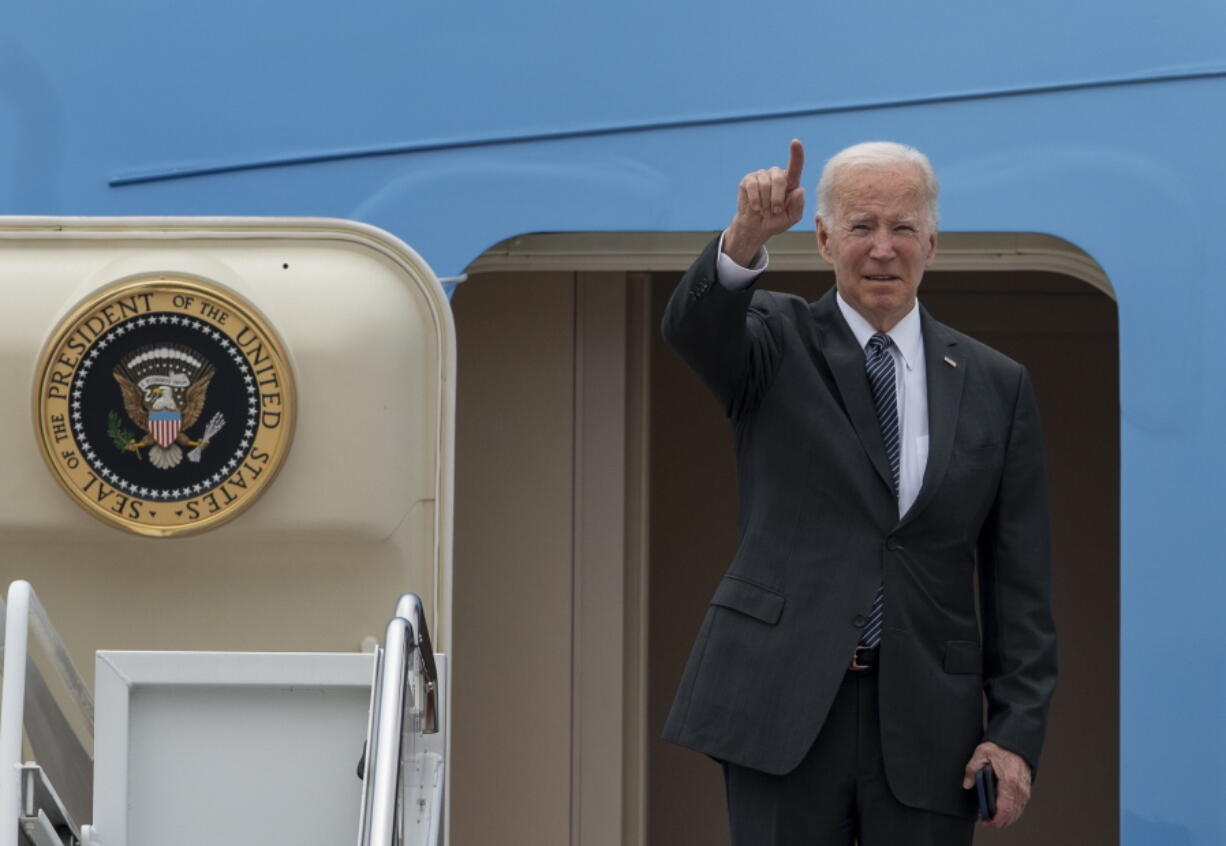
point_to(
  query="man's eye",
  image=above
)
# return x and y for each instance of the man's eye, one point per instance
(859, 227)
(904, 228)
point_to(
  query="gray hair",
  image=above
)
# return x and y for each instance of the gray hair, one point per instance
(882, 154)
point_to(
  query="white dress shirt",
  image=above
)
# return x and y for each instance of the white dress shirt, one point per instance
(910, 373)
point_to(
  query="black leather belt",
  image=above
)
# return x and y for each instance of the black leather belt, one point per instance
(864, 659)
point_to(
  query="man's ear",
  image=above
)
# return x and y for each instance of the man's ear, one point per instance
(823, 240)
(932, 248)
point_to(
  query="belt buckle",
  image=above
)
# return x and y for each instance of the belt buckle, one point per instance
(855, 659)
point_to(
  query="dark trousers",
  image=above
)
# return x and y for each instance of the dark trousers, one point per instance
(838, 795)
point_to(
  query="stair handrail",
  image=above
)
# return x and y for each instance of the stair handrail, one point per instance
(410, 607)
(24, 615)
(382, 814)
(402, 687)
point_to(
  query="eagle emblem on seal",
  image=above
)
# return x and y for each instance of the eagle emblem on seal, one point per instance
(164, 389)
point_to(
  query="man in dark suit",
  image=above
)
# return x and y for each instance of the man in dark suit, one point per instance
(883, 460)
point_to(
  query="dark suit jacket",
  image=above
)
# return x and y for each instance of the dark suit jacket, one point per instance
(819, 530)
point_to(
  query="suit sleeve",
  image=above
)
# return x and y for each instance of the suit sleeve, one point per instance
(727, 337)
(1019, 634)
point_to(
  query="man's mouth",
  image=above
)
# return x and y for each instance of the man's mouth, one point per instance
(880, 277)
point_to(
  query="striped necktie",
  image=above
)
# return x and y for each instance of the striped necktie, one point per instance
(879, 365)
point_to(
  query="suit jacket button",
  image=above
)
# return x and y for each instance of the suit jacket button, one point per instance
(892, 545)
(859, 621)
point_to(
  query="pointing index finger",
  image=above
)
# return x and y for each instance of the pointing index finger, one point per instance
(796, 163)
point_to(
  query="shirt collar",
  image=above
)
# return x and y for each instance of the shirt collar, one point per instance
(906, 334)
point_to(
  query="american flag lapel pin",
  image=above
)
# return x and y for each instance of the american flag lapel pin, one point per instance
(950, 362)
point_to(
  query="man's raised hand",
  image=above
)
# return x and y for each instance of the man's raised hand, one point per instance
(768, 202)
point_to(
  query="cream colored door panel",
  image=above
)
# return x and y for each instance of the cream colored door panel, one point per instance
(360, 315)
(360, 508)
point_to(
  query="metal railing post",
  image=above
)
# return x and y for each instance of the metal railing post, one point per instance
(409, 607)
(383, 825)
(394, 697)
(62, 756)
(12, 708)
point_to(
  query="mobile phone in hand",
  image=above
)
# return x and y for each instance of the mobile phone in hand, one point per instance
(985, 786)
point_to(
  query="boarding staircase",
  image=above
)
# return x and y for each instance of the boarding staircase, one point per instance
(196, 748)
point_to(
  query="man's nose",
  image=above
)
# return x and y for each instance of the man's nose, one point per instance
(883, 246)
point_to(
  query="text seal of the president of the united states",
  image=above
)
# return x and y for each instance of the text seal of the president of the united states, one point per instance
(164, 405)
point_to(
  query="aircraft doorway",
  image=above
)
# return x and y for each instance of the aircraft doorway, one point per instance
(595, 515)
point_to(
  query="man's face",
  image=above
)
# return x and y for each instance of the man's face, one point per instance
(879, 241)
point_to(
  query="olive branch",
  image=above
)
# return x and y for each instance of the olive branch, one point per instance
(119, 436)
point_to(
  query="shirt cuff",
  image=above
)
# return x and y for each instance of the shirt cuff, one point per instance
(734, 277)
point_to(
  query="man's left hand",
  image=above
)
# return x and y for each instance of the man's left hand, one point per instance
(1012, 781)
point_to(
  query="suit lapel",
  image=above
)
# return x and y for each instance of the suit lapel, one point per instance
(846, 361)
(945, 382)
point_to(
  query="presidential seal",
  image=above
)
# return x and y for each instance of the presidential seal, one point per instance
(164, 406)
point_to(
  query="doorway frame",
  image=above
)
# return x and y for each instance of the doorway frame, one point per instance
(610, 645)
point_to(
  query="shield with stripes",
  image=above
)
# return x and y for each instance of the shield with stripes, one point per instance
(164, 426)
